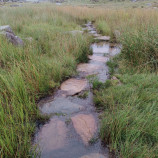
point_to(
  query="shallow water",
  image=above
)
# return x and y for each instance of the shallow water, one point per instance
(105, 48)
(60, 137)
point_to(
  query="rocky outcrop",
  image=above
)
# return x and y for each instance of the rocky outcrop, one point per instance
(10, 36)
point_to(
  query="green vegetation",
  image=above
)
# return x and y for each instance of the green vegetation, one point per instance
(103, 28)
(129, 119)
(83, 95)
(129, 122)
(30, 72)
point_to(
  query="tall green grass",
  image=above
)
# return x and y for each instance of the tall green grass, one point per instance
(129, 121)
(30, 72)
(140, 48)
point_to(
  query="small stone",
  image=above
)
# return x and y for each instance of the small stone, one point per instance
(61, 105)
(9, 34)
(85, 126)
(89, 69)
(98, 58)
(94, 155)
(52, 136)
(103, 38)
(73, 86)
(15, 40)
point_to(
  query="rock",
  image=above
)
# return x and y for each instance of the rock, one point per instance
(61, 105)
(9, 34)
(15, 40)
(89, 69)
(101, 47)
(6, 28)
(52, 136)
(85, 126)
(98, 58)
(103, 38)
(73, 86)
(94, 155)
(96, 35)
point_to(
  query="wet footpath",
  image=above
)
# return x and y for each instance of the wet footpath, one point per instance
(73, 128)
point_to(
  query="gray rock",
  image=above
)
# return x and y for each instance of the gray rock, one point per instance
(15, 40)
(6, 28)
(61, 105)
(103, 38)
(9, 34)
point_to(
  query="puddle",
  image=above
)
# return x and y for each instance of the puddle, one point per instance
(73, 131)
(105, 48)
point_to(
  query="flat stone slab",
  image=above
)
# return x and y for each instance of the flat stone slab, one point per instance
(98, 58)
(94, 155)
(103, 38)
(52, 136)
(73, 86)
(85, 126)
(89, 69)
(61, 105)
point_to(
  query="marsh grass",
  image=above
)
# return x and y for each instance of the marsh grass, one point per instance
(30, 72)
(129, 122)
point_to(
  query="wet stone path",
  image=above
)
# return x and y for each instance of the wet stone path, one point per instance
(72, 131)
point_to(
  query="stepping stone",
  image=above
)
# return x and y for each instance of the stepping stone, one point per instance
(73, 86)
(103, 38)
(96, 35)
(85, 126)
(101, 47)
(61, 105)
(52, 136)
(98, 58)
(89, 69)
(94, 155)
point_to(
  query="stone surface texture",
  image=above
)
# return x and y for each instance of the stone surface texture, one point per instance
(85, 125)
(73, 86)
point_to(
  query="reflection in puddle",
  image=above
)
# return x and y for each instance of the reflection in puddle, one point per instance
(105, 48)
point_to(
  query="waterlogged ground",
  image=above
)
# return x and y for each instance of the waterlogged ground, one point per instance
(72, 131)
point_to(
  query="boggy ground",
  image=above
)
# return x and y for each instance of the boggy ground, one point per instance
(130, 108)
(72, 131)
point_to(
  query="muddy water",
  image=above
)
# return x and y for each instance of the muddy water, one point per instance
(72, 131)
